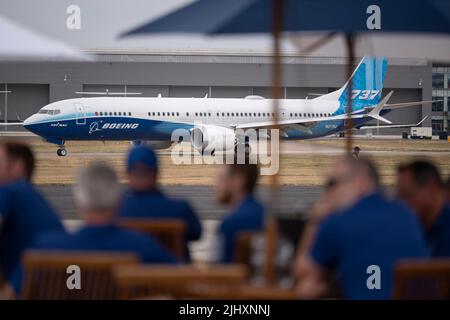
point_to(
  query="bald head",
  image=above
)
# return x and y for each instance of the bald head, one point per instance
(349, 180)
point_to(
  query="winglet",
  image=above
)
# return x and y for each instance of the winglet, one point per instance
(375, 112)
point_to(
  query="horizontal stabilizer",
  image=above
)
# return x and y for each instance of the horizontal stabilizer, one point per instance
(375, 112)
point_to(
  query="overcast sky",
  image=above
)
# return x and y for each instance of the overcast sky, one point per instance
(101, 21)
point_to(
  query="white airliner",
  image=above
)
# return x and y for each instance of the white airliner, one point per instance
(154, 119)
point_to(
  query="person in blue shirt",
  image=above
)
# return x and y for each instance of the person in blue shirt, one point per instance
(143, 199)
(420, 185)
(356, 236)
(24, 213)
(235, 187)
(96, 195)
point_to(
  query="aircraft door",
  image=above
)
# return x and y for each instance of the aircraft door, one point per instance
(80, 113)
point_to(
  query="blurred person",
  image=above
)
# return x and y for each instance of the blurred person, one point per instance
(24, 213)
(235, 185)
(96, 196)
(355, 153)
(352, 228)
(144, 199)
(420, 185)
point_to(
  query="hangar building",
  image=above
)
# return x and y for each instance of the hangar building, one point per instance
(185, 68)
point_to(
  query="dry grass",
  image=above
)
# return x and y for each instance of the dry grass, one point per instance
(295, 169)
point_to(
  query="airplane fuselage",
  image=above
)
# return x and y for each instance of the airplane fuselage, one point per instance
(125, 118)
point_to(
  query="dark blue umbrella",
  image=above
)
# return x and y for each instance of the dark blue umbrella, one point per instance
(348, 16)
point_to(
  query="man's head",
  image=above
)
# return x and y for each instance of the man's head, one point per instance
(142, 168)
(356, 150)
(96, 193)
(420, 185)
(349, 180)
(16, 162)
(235, 181)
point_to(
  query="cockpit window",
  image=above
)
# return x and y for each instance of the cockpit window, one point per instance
(50, 112)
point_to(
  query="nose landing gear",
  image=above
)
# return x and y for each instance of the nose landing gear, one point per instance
(61, 152)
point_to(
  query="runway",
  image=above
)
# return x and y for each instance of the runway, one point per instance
(293, 199)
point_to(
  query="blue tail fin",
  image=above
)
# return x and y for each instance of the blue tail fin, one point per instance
(367, 84)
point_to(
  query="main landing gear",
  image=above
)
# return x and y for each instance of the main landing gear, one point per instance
(61, 152)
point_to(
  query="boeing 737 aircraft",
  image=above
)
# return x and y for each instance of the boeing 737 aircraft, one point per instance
(154, 119)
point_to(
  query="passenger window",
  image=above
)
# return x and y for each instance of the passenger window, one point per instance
(164, 113)
(187, 114)
(178, 114)
(173, 114)
(209, 114)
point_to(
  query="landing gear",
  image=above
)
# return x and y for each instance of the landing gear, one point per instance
(61, 152)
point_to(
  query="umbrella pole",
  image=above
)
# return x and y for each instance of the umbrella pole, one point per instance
(271, 222)
(348, 124)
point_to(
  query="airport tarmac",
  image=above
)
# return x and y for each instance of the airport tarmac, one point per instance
(293, 199)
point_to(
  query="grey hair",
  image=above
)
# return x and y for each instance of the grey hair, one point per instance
(97, 187)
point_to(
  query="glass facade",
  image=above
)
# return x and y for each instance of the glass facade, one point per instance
(440, 84)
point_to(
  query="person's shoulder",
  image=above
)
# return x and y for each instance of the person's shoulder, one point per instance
(12, 187)
(133, 237)
(52, 240)
(251, 205)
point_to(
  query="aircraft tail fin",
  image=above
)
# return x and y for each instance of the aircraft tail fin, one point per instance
(367, 85)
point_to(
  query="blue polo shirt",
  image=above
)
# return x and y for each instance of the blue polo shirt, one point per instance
(24, 215)
(154, 204)
(247, 216)
(106, 238)
(439, 234)
(374, 231)
(99, 238)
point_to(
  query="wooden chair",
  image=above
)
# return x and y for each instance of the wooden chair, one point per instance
(45, 274)
(243, 248)
(170, 233)
(422, 279)
(179, 281)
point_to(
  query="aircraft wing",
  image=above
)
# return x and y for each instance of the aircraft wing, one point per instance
(395, 125)
(305, 122)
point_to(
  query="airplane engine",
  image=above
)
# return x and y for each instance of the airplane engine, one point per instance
(155, 145)
(212, 138)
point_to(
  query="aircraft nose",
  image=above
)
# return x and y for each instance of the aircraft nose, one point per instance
(28, 121)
